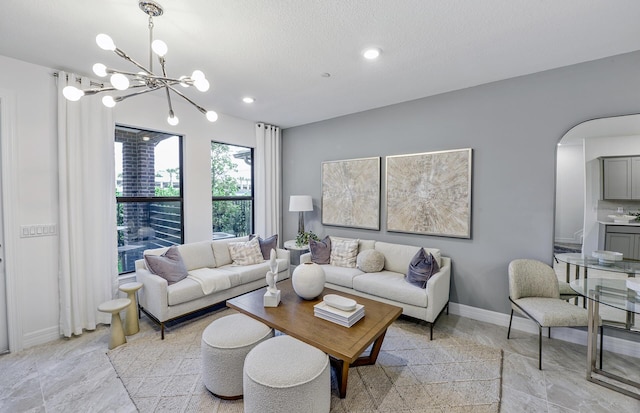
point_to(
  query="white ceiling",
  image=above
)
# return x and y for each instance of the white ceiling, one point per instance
(277, 50)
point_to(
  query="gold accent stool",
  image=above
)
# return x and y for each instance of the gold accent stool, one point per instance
(131, 325)
(114, 307)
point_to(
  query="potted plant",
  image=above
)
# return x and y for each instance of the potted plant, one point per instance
(303, 238)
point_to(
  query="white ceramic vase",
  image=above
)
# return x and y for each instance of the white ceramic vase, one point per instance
(308, 280)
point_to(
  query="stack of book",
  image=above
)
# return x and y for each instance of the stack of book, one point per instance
(335, 315)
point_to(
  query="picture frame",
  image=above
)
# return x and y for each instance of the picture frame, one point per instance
(430, 193)
(351, 193)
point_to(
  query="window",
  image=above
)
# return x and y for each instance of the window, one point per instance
(231, 190)
(149, 201)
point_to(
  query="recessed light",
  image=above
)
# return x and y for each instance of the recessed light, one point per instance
(145, 138)
(248, 99)
(371, 53)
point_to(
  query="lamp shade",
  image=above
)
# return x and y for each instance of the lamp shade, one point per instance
(300, 203)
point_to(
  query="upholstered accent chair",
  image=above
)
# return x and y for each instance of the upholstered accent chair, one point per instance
(534, 292)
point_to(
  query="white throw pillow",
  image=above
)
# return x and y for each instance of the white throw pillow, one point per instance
(344, 253)
(246, 253)
(370, 261)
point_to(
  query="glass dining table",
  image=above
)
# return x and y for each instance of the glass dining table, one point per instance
(614, 293)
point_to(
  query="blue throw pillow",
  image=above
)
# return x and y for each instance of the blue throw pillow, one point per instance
(421, 268)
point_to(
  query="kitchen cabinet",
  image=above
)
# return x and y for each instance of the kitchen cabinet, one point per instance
(624, 239)
(621, 178)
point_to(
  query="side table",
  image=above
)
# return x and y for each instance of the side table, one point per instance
(131, 325)
(296, 251)
(114, 307)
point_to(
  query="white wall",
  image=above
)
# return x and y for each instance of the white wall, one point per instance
(31, 89)
(569, 193)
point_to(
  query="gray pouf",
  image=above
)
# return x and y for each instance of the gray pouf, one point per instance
(225, 344)
(286, 375)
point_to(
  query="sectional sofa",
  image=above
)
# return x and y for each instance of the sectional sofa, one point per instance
(211, 269)
(389, 285)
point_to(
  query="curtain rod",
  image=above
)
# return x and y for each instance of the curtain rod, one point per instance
(91, 82)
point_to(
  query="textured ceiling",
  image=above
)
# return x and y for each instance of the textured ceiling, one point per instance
(277, 50)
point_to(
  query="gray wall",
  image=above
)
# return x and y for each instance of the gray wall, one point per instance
(513, 127)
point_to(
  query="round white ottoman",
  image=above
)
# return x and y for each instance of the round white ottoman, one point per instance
(225, 344)
(286, 375)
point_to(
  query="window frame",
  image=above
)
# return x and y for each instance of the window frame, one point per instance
(151, 199)
(238, 197)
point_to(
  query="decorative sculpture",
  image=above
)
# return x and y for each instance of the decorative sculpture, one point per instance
(272, 296)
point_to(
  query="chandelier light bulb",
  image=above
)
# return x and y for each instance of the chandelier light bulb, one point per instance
(201, 84)
(105, 42)
(119, 81)
(212, 116)
(197, 74)
(72, 93)
(173, 119)
(183, 83)
(108, 101)
(159, 47)
(100, 70)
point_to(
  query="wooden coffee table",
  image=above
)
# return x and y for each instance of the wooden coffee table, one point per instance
(294, 316)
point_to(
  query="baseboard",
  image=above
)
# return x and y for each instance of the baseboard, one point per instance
(41, 336)
(572, 335)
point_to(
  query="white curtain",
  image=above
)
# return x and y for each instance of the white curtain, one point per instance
(268, 192)
(87, 270)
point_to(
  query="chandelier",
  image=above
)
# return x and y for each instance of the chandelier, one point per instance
(145, 80)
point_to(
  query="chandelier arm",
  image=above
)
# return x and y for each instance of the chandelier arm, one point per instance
(94, 91)
(140, 92)
(182, 95)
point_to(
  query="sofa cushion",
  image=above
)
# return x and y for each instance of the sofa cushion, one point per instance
(246, 253)
(344, 253)
(266, 245)
(320, 250)
(396, 256)
(370, 261)
(392, 286)
(197, 255)
(421, 268)
(249, 273)
(168, 265)
(340, 275)
(183, 292)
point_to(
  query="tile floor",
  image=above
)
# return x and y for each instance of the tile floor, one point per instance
(75, 375)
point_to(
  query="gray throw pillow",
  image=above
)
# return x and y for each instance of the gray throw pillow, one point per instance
(169, 265)
(421, 268)
(266, 245)
(320, 250)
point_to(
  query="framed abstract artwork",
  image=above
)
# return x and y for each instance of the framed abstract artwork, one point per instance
(430, 193)
(351, 193)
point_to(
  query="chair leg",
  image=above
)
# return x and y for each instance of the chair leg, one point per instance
(539, 347)
(549, 331)
(510, 320)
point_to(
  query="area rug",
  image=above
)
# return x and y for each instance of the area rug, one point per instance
(412, 374)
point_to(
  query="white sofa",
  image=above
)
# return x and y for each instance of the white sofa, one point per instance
(389, 285)
(163, 302)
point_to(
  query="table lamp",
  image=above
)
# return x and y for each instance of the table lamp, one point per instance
(299, 204)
